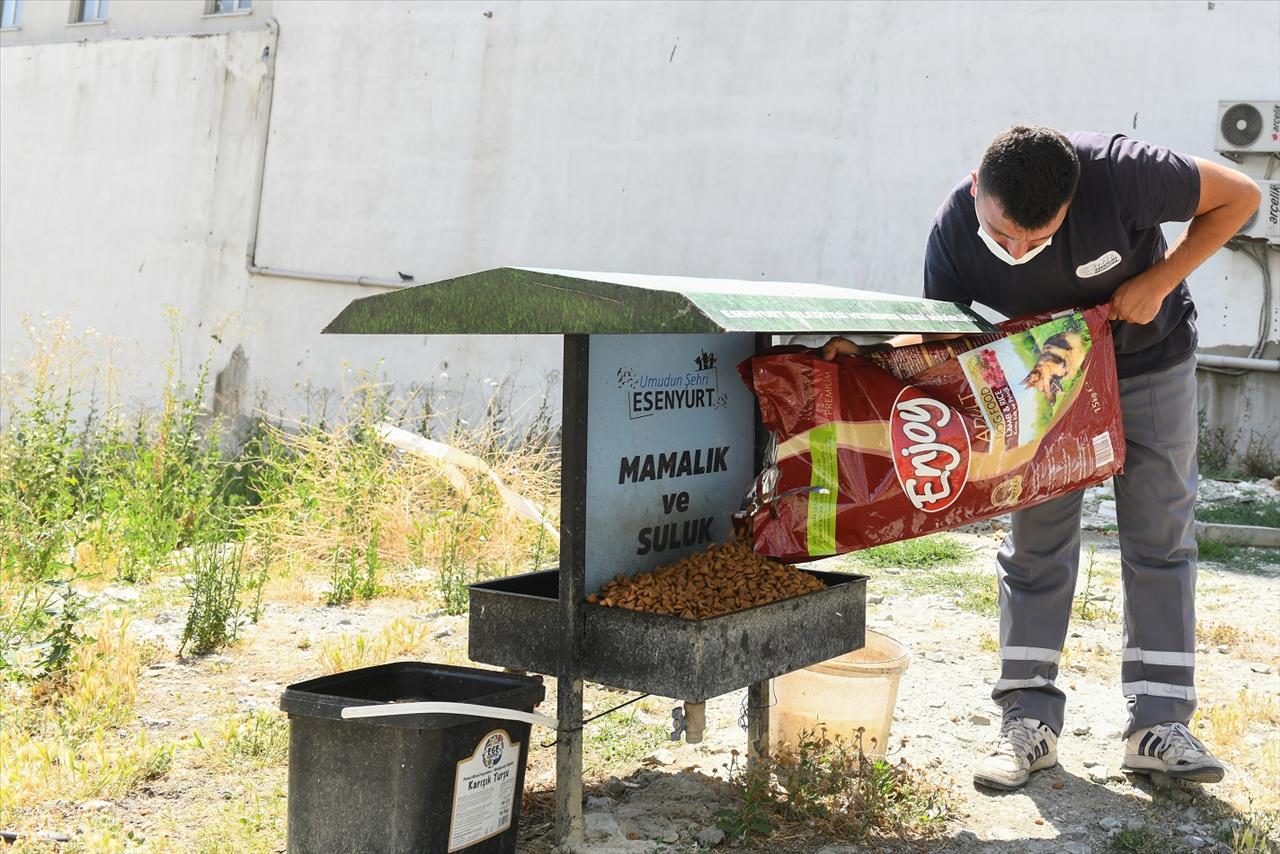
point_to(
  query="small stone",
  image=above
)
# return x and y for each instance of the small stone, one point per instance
(1080, 730)
(875, 598)
(1223, 649)
(1194, 842)
(1059, 785)
(1109, 823)
(594, 803)
(52, 836)
(442, 633)
(887, 618)
(1076, 635)
(937, 704)
(1076, 848)
(1261, 668)
(1091, 763)
(1116, 777)
(979, 720)
(154, 723)
(615, 787)
(95, 805)
(1187, 829)
(936, 656)
(891, 570)
(662, 756)
(966, 836)
(710, 837)
(1099, 774)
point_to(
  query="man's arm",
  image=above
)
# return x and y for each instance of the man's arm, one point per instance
(1227, 197)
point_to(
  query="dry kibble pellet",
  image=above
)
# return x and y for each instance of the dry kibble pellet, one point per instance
(726, 577)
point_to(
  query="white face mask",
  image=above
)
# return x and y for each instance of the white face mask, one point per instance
(1001, 253)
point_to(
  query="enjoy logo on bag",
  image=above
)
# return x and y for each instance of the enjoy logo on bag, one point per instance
(930, 450)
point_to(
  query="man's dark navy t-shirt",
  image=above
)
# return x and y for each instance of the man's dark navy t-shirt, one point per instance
(1111, 234)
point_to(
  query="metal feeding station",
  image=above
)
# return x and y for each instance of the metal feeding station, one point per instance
(660, 443)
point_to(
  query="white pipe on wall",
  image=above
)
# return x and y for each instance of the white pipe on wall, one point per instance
(255, 209)
(1212, 360)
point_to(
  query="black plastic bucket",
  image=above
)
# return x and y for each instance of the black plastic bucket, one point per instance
(421, 783)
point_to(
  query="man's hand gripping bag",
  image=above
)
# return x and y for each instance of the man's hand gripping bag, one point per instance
(895, 444)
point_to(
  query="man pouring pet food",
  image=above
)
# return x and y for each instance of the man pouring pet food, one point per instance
(1050, 221)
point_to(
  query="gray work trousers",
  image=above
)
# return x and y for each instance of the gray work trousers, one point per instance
(1155, 513)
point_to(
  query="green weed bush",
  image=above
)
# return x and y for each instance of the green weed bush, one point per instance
(214, 615)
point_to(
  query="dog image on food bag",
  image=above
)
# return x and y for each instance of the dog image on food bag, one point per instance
(1059, 360)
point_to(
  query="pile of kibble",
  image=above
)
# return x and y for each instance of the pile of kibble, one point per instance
(726, 577)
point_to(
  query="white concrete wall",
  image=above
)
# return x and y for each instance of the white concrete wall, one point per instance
(801, 141)
(44, 21)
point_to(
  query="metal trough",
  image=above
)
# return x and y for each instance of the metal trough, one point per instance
(514, 623)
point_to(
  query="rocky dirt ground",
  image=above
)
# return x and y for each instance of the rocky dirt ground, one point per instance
(650, 794)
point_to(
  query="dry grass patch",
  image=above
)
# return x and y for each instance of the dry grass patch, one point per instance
(343, 504)
(1246, 732)
(401, 638)
(1219, 634)
(63, 740)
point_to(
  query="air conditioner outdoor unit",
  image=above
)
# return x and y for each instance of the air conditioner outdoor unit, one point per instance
(1265, 222)
(1248, 127)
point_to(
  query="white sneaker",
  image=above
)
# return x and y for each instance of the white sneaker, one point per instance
(1173, 750)
(1024, 745)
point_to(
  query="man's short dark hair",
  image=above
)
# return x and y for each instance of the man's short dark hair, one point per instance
(1032, 172)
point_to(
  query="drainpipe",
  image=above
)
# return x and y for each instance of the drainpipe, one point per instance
(255, 210)
(1240, 363)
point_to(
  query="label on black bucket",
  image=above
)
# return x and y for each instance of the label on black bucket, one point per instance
(484, 791)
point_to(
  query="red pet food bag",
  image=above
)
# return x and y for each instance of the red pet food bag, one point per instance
(896, 444)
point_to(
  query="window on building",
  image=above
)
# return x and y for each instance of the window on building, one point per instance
(224, 7)
(10, 14)
(88, 11)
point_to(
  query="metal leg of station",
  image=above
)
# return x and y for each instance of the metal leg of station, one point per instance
(569, 763)
(757, 723)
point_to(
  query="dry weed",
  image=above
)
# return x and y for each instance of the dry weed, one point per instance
(401, 638)
(1246, 732)
(343, 493)
(1219, 634)
(63, 740)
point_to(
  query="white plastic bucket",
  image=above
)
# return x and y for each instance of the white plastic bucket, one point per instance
(841, 696)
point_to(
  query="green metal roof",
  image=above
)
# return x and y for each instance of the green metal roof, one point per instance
(528, 301)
